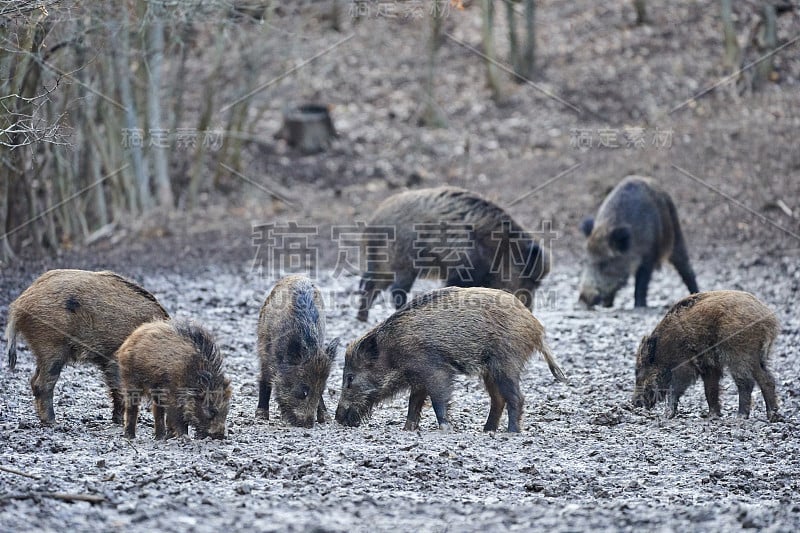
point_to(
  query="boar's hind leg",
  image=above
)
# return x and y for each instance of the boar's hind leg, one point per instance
(680, 260)
(745, 386)
(401, 287)
(711, 378)
(415, 403)
(497, 406)
(42, 384)
(509, 389)
(369, 289)
(643, 275)
(767, 384)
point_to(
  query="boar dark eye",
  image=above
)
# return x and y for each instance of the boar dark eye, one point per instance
(349, 380)
(302, 392)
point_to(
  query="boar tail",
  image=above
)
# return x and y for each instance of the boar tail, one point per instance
(11, 338)
(551, 362)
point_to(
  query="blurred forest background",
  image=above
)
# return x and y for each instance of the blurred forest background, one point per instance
(117, 112)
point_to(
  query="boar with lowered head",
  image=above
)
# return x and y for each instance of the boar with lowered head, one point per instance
(437, 335)
(178, 366)
(295, 362)
(699, 337)
(450, 234)
(636, 228)
(67, 316)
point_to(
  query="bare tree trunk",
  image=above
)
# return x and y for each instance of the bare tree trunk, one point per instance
(489, 49)
(731, 60)
(640, 6)
(513, 42)
(139, 197)
(767, 42)
(529, 54)
(159, 148)
(430, 114)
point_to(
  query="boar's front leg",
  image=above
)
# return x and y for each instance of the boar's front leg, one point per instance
(643, 275)
(415, 403)
(497, 405)
(176, 423)
(711, 378)
(159, 413)
(111, 377)
(264, 392)
(322, 411)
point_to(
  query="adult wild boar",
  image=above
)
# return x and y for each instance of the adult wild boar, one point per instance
(295, 362)
(451, 234)
(437, 335)
(700, 336)
(636, 228)
(178, 366)
(67, 316)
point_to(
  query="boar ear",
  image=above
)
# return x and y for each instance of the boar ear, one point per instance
(369, 348)
(587, 225)
(330, 350)
(651, 343)
(620, 238)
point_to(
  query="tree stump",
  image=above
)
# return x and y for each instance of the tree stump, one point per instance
(308, 128)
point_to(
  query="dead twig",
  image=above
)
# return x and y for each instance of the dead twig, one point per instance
(64, 496)
(18, 472)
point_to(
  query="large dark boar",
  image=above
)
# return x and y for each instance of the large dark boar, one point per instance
(294, 359)
(700, 336)
(450, 234)
(435, 336)
(67, 316)
(179, 367)
(636, 228)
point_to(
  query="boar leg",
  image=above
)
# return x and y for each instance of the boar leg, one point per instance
(509, 389)
(369, 289)
(322, 411)
(711, 378)
(745, 386)
(264, 392)
(159, 414)
(415, 403)
(497, 406)
(766, 383)
(131, 415)
(680, 260)
(176, 423)
(401, 287)
(111, 376)
(643, 275)
(42, 384)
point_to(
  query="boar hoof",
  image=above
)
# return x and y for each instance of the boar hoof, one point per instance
(262, 413)
(410, 426)
(774, 416)
(362, 316)
(446, 427)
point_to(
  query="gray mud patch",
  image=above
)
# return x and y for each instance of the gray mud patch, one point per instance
(585, 458)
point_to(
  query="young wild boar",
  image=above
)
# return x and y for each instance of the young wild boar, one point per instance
(435, 336)
(67, 316)
(294, 359)
(178, 366)
(451, 234)
(699, 336)
(636, 228)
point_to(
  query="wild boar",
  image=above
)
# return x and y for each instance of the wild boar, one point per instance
(295, 361)
(451, 234)
(67, 316)
(178, 366)
(435, 336)
(635, 230)
(700, 336)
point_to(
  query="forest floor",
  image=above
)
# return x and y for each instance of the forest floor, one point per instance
(585, 458)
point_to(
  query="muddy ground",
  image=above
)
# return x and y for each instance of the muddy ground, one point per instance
(584, 459)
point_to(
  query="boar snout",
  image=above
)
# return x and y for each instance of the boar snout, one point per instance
(348, 416)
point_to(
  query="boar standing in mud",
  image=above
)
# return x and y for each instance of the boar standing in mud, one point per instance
(699, 337)
(437, 335)
(295, 362)
(67, 316)
(635, 230)
(451, 234)
(179, 367)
